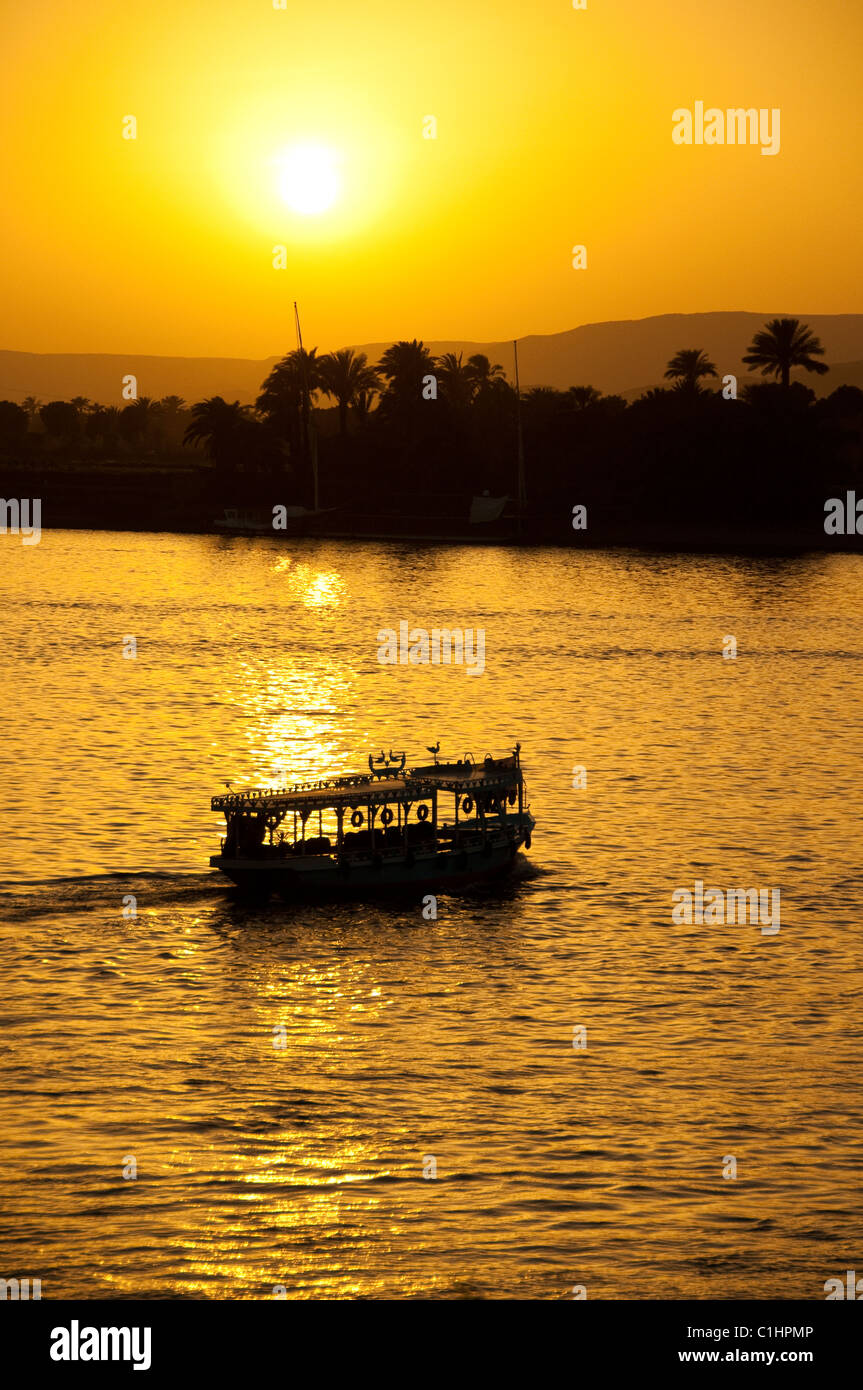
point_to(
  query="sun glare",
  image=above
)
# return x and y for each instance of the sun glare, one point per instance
(309, 178)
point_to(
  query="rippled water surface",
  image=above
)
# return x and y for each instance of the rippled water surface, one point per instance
(152, 1036)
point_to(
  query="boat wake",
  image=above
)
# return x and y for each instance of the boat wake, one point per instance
(33, 898)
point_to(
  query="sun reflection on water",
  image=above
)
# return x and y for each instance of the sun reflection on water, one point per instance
(292, 714)
(313, 588)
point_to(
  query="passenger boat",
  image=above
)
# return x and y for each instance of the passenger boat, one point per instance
(436, 828)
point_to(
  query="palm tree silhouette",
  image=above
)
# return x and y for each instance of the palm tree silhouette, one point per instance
(138, 420)
(346, 375)
(687, 367)
(31, 405)
(583, 396)
(783, 344)
(60, 419)
(363, 402)
(483, 374)
(102, 421)
(457, 379)
(404, 365)
(283, 393)
(223, 429)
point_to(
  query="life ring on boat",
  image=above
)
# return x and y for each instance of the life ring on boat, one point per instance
(467, 805)
(357, 818)
(422, 813)
(386, 816)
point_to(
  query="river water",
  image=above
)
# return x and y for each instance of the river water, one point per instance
(150, 1037)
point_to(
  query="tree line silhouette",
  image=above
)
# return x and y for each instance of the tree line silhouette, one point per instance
(413, 424)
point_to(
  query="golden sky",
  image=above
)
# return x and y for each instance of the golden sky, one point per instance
(553, 129)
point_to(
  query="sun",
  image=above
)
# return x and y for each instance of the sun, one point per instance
(309, 179)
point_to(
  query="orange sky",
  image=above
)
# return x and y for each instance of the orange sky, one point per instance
(553, 128)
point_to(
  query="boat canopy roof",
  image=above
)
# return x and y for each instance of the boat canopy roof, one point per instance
(405, 785)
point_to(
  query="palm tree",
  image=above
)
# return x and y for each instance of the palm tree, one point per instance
(172, 404)
(31, 405)
(783, 344)
(687, 367)
(13, 421)
(138, 418)
(283, 395)
(583, 396)
(224, 430)
(346, 375)
(103, 422)
(544, 396)
(543, 405)
(81, 404)
(363, 402)
(404, 365)
(457, 379)
(297, 371)
(60, 419)
(483, 374)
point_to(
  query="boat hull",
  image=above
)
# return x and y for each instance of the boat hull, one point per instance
(447, 871)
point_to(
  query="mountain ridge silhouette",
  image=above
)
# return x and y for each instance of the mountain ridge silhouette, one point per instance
(616, 356)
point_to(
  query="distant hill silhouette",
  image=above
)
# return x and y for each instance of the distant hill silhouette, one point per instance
(614, 357)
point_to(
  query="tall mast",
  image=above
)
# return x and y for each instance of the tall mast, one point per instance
(522, 490)
(308, 429)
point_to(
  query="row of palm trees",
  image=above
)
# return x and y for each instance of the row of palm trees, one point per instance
(776, 349)
(396, 382)
(351, 381)
(348, 378)
(84, 407)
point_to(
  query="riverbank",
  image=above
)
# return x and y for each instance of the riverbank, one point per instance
(190, 500)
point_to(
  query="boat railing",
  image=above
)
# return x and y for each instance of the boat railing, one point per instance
(450, 838)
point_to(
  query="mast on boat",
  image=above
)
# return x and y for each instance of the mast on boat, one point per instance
(311, 441)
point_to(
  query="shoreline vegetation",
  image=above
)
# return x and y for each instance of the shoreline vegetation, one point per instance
(402, 447)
